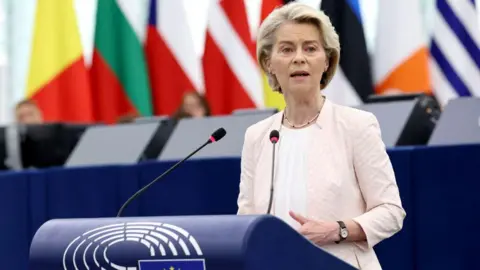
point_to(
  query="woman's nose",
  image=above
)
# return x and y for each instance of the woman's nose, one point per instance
(299, 57)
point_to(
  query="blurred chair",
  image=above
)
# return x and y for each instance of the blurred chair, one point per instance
(151, 119)
(128, 143)
(404, 119)
(48, 145)
(37, 145)
(459, 123)
(190, 133)
(12, 147)
(3, 149)
(254, 111)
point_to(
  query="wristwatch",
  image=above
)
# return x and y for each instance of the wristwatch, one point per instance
(343, 231)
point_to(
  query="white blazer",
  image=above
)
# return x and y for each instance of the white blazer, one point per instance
(350, 176)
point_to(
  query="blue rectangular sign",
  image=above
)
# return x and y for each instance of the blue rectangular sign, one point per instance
(185, 264)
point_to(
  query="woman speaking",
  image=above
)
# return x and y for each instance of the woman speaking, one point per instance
(334, 182)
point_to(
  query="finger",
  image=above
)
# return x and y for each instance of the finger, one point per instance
(299, 218)
(296, 217)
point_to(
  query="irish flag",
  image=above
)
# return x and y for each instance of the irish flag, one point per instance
(119, 72)
(58, 78)
(401, 54)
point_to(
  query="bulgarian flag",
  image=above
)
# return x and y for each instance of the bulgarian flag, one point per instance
(119, 72)
(58, 78)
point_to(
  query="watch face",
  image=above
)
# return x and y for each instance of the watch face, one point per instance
(344, 233)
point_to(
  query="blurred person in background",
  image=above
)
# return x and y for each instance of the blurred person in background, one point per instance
(27, 112)
(193, 105)
(334, 182)
(127, 118)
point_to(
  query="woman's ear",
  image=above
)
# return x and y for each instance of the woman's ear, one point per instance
(268, 65)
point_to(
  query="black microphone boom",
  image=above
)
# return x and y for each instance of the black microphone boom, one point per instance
(216, 136)
(274, 137)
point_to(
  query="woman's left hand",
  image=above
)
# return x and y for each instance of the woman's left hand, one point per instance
(319, 232)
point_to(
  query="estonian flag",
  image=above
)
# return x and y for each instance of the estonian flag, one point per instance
(353, 81)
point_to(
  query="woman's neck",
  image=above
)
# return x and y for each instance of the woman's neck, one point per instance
(301, 110)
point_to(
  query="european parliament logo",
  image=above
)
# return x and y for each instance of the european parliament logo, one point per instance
(134, 246)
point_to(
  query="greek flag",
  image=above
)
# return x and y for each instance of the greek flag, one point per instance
(454, 48)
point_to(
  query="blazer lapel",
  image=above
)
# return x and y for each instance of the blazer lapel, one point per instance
(316, 146)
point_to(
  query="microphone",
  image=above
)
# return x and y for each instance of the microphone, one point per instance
(274, 137)
(216, 136)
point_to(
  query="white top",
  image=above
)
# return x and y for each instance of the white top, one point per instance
(291, 179)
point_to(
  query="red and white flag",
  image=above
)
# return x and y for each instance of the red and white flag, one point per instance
(174, 67)
(232, 77)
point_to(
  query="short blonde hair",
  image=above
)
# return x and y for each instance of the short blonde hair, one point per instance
(297, 13)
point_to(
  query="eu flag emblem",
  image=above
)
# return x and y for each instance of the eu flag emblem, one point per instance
(182, 264)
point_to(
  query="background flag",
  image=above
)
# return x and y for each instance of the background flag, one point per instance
(401, 54)
(455, 61)
(352, 83)
(58, 78)
(119, 72)
(173, 65)
(272, 99)
(232, 77)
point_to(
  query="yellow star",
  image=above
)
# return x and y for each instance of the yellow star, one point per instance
(172, 268)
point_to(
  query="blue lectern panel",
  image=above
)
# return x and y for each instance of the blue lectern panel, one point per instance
(180, 243)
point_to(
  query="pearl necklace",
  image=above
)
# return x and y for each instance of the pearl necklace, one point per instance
(300, 126)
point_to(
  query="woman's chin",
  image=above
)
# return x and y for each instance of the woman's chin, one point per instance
(301, 88)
